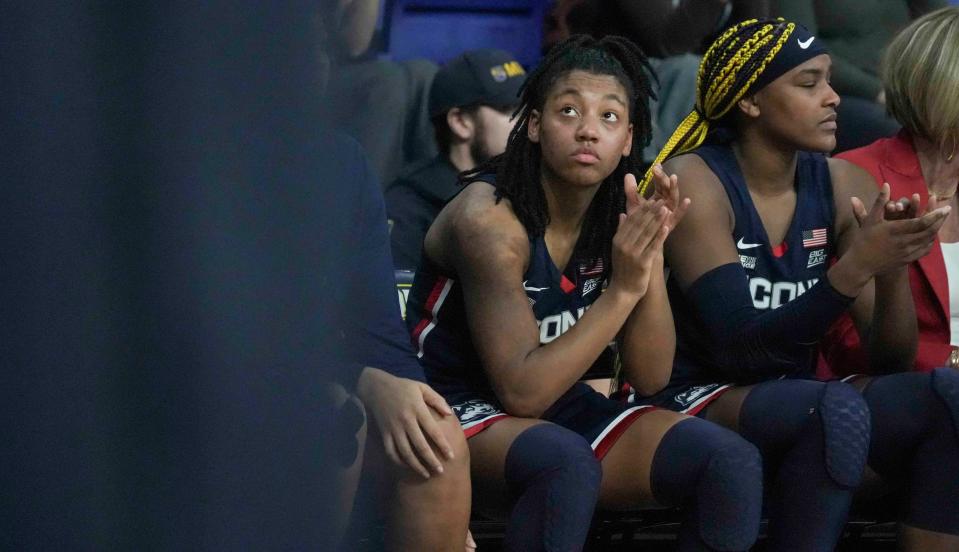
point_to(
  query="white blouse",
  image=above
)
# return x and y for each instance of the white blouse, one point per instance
(950, 254)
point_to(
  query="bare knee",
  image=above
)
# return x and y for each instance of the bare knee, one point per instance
(456, 470)
(453, 483)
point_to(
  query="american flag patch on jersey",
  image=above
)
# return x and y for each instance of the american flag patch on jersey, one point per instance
(591, 269)
(814, 238)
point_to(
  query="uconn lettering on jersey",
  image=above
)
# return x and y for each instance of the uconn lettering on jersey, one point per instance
(772, 295)
(556, 325)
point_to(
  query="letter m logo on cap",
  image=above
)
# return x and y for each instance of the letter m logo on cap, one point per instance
(509, 69)
(513, 69)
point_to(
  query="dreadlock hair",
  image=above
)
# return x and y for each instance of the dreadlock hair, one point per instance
(518, 169)
(731, 65)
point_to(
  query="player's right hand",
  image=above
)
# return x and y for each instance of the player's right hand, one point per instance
(890, 238)
(405, 413)
(666, 188)
(638, 245)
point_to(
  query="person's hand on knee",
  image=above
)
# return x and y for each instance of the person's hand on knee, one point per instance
(402, 412)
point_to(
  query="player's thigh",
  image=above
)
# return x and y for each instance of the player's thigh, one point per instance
(627, 465)
(725, 409)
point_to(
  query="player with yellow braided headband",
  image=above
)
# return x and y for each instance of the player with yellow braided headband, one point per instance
(733, 65)
(777, 243)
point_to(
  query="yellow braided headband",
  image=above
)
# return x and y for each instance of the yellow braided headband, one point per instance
(717, 101)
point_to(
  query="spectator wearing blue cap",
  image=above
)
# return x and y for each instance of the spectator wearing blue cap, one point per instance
(470, 104)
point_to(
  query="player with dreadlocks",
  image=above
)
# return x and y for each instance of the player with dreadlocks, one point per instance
(508, 311)
(777, 244)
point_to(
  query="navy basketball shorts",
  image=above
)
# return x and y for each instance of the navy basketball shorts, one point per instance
(600, 420)
(688, 399)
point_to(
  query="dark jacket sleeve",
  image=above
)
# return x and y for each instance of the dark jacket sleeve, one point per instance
(374, 331)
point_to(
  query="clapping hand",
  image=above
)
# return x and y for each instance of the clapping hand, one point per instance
(665, 188)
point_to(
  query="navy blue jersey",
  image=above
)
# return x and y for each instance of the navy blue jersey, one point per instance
(436, 315)
(775, 273)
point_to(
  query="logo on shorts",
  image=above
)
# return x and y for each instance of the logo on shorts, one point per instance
(473, 410)
(692, 394)
(816, 257)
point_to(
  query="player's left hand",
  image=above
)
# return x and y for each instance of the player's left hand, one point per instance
(883, 245)
(665, 188)
(905, 208)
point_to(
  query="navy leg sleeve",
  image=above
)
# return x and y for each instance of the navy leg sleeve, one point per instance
(717, 477)
(915, 443)
(814, 438)
(555, 479)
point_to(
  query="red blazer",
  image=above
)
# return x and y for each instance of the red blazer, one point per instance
(894, 160)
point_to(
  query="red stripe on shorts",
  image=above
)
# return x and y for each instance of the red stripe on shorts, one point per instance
(616, 432)
(473, 430)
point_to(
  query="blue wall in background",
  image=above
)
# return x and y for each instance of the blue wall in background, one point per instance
(441, 29)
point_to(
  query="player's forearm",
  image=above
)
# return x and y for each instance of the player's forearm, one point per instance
(751, 344)
(893, 331)
(848, 276)
(530, 385)
(648, 340)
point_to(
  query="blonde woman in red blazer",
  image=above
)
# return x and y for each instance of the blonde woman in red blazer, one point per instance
(922, 92)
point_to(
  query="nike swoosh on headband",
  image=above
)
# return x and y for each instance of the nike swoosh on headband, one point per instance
(805, 44)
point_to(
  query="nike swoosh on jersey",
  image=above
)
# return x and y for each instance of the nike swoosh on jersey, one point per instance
(527, 288)
(805, 44)
(743, 245)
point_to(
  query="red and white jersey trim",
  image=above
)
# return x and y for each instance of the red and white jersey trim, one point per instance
(433, 304)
